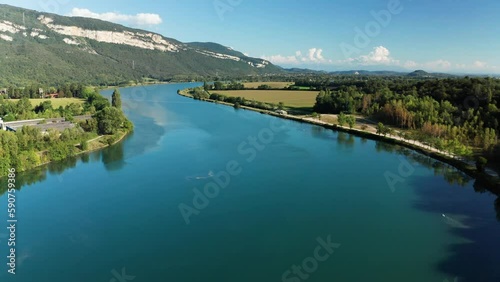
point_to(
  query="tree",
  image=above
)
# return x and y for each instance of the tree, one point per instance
(116, 100)
(218, 85)
(351, 120)
(316, 115)
(24, 106)
(206, 86)
(481, 164)
(380, 128)
(43, 107)
(342, 119)
(109, 120)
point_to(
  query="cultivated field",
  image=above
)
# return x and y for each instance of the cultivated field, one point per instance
(272, 84)
(292, 99)
(56, 102)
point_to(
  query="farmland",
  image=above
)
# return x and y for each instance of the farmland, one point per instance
(292, 99)
(272, 84)
(56, 102)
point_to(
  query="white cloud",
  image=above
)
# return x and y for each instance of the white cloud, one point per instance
(134, 20)
(410, 65)
(438, 65)
(314, 55)
(444, 65)
(479, 64)
(379, 56)
(279, 59)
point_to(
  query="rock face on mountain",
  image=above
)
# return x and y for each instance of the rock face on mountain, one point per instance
(48, 48)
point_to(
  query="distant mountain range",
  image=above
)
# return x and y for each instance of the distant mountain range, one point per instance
(48, 48)
(415, 74)
(37, 47)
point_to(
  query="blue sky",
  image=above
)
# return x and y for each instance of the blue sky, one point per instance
(458, 36)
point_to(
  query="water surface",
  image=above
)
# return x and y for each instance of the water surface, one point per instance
(117, 210)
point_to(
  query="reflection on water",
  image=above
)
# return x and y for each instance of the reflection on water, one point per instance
(450, 173)
(112, 158)
(57, 168)
(384, 147)
(497, 208)
(476, 228)
(345, 140)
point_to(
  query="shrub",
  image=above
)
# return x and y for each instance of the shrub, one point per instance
(481, 164)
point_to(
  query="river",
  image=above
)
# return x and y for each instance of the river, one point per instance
(205, 192)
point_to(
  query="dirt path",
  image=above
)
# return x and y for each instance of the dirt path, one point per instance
(370, 128)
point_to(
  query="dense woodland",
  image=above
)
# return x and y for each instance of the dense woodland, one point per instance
(453, 114)
(29, 147)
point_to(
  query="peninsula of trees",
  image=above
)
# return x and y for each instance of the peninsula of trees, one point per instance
(29, 147)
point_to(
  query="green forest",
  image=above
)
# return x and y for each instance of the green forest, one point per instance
(29, 147)
(458, 115)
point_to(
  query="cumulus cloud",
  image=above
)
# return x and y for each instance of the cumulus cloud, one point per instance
(479, 64)
(313, 55)
(410, 65)
(140, 19)
(279, 59)
(438, 65)
(379, 56)
(444, 65)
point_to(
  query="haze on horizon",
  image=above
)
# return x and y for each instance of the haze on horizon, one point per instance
(401, 35)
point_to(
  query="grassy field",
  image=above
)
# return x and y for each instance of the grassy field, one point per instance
(292, 99)
(272, 84)
(56, 102)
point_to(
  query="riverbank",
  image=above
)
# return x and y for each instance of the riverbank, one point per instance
(93, 145)
(491, 182)
(111, 87)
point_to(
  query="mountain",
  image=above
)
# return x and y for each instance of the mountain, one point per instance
(304, 71)
(369, 73)
(424, 74)
(415, 74)
(419, 73)
(50, 49)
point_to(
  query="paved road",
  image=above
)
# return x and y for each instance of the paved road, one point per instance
(56, 123)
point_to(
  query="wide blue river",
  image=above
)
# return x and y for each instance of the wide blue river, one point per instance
(204, 192)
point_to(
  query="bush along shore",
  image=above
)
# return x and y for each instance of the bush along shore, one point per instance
(30, 147)
(484, 179)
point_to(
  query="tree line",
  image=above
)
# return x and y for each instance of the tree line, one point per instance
(29, 147)
(68, 90)
(453, 114)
